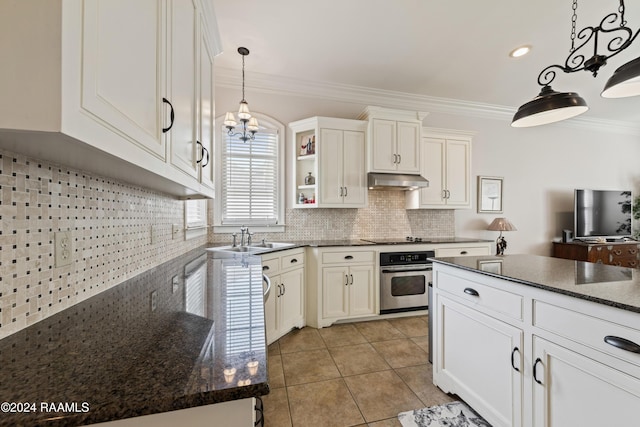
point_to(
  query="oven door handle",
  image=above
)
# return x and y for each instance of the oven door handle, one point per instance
(407, 270)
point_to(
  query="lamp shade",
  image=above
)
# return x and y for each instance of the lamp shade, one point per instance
(501, 224)
(624, 82)
(549, 107)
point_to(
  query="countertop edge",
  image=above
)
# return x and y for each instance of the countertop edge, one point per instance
(542, 286)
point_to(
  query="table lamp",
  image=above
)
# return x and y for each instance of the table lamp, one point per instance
(501, 224)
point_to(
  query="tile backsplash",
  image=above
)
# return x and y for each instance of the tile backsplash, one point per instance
(385, 217)
(111, 225)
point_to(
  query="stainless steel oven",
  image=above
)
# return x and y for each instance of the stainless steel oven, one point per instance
(404, 281)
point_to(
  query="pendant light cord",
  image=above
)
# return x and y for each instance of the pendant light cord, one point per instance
(574, 19)
(243, 100)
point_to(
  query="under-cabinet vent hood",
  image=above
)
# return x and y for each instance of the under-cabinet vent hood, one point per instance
(396, 181)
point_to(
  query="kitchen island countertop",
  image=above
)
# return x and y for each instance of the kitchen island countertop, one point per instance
(604, 284)
(158, 342)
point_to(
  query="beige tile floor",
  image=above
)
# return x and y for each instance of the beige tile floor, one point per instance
(355, 374)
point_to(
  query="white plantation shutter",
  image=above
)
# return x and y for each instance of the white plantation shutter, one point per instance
(195, 213)
(250, 186)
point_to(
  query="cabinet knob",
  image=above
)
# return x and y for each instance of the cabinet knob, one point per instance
(265, 267)
(463, 252)
(348, 257)
(293, 261)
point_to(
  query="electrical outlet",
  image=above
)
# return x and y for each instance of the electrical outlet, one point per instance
(175, 231)
(154, 300)
(63, 248)
(175, 283)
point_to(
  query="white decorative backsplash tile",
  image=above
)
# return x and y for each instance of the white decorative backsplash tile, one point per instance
(110, 224)
(385, 217)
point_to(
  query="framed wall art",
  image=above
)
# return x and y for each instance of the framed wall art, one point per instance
(490, 194)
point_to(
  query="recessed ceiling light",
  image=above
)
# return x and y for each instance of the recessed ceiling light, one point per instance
(520, 51)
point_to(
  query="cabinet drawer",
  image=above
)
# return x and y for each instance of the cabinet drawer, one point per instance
(347, 257)
(292, 260)
(481, 295)
(584, 329)
(271, 266)
(470, 251)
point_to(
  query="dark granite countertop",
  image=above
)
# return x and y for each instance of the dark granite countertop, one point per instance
(604, 284)
(114, 357)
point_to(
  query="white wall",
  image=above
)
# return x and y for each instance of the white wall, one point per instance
(541, 166)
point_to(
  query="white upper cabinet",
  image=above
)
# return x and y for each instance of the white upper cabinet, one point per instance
(122, 76)
(393, 140)
(336, 162)
(445, 160)
(117, 90)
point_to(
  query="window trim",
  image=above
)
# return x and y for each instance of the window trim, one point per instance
(218, 227)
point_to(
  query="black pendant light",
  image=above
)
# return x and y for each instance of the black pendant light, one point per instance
(551, 106)
(624, 82)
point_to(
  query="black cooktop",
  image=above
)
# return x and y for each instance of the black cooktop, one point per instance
(397, 241)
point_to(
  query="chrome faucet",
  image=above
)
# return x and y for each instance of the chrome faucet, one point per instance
(243, 230)
(250, 235)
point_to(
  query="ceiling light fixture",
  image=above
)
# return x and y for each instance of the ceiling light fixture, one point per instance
(551, 106)
(248, 123)
(520, 51)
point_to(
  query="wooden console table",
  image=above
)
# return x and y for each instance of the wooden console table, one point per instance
(621, 254)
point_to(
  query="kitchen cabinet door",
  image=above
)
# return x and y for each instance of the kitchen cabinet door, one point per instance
(477, 358)
(383, 146)
(123, 69)
(331, 165)
(354, 169)
(458, 172)
(271, 312)
(575, 390)
(408, 149)
(433, 161)
(362, 297)
(292, 300)
(206, 110)
(335, 292)
(183, 19)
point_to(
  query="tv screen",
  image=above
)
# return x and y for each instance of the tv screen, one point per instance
(602, 213)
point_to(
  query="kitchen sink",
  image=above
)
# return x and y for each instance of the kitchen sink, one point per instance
(257, 248)
(272, 245)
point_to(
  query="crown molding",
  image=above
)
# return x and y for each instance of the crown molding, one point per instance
(272, 84)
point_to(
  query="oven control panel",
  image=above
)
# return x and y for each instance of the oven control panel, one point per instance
(406, 258)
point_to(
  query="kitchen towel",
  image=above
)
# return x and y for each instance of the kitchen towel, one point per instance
(454, 414)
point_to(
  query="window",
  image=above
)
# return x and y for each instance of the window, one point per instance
(195, 218)
(251, 177)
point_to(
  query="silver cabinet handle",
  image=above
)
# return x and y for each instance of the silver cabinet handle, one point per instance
(395, 159)
(284, 289)
(399, 158)
(341, 191)
(279, 291)
(345, 192)
(444, 194)
(351, 275)
(346, 280)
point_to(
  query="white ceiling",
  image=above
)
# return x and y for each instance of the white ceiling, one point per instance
(438, 48)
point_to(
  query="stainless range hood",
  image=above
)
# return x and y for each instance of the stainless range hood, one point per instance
(395, 181)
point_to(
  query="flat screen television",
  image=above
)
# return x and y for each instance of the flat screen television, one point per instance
(602, 213)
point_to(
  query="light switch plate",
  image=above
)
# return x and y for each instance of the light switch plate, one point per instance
(63, 248)
(175, 231)
(175, 284)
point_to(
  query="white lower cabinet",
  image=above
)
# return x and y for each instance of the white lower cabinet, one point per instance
(235, 413)
(347, 291)
(574, 390)
(480, 361)
(524, 356)
(342, 285)
(284, 307)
